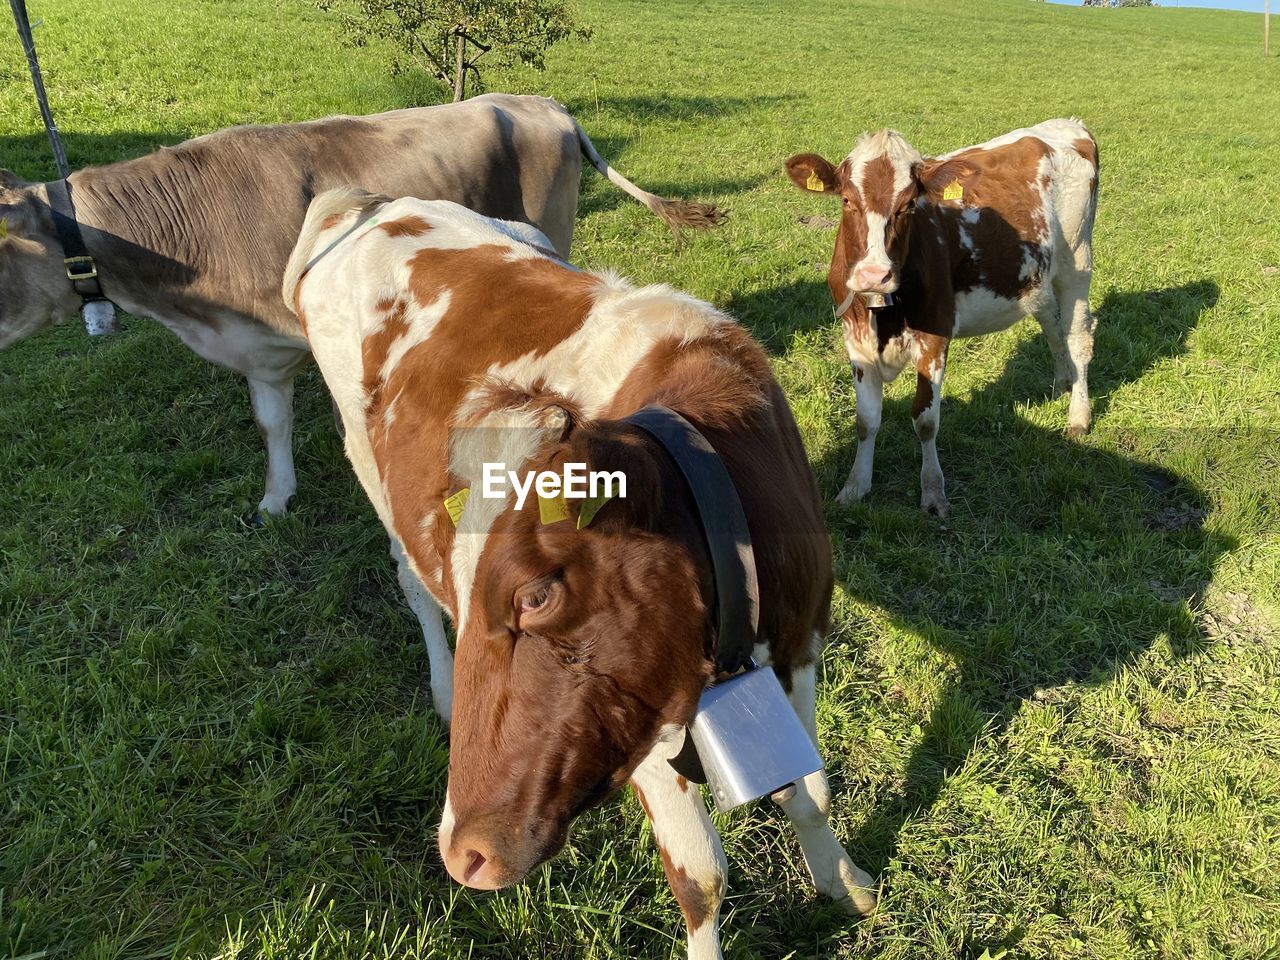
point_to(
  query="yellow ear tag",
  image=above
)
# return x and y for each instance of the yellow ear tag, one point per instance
(456, 503)
(552, 509)
(815, 183)
(4, 228)
(953, 191)
(590, 507)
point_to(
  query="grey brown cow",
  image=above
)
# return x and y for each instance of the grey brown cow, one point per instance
(197, 236)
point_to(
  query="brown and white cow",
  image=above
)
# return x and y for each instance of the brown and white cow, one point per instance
(451, 341)
(964, 244)
(196, 236)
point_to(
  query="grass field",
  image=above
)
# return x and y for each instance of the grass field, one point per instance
(1052, 721)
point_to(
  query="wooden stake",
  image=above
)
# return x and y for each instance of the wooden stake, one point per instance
(23, 23)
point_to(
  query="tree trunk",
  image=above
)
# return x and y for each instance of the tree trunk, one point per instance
(460, 70)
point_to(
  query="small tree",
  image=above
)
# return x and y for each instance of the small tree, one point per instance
(447, 38)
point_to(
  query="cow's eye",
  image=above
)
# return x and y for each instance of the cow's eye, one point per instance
(847, 201)
(537, 601)
(534, 600)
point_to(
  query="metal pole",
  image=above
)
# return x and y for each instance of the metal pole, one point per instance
(1266, 28)
(19, 8)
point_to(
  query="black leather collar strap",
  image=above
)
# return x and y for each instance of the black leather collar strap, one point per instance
(82, 271)
(724, 526)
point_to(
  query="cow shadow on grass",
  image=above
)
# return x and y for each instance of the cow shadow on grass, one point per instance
(640, 108)
(30, 157)
(1062, 563)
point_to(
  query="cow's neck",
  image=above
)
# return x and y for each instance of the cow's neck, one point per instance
(712, 380)
(924, 300)
(157, 260)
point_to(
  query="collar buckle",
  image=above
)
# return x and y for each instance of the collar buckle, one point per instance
(80, 268)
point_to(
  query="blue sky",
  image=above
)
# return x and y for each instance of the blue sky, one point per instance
(1253, 6)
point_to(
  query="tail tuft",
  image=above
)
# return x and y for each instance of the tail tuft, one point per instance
(688, 214)
(676, 214)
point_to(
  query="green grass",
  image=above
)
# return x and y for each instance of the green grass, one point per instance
(1052, 721)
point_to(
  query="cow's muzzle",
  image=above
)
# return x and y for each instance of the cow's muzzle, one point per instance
(489, 852)
(873, 278)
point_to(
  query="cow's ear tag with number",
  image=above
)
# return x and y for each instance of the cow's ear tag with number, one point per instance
(953, 191)
(456, 503)
(815, 183)
(552, 509)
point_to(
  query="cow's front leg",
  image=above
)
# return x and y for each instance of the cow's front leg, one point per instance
(425, 608)
(692, 855)
(931, 364)
(273, 410)
(868, 386)
(807, 805)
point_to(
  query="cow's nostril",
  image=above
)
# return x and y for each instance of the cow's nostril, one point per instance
(475, 863)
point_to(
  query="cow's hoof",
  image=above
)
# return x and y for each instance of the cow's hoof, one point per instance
(935, 504)
(260, 518)
(255, 519)
(850, 495)
(269, 507)
(860, 896)
(859, 905)
(1077, 430)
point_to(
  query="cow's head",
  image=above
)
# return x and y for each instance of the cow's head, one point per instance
(880, 183)
(579, 644)
(34, 290)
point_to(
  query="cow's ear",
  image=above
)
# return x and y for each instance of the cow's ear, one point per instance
(953, 179)
(17, 219)
(12, 221)
(559, 417)
(617, 447)
(808, 171)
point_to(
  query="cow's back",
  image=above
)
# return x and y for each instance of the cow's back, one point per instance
(212, 221)
(1042, 180)
(1025, 220)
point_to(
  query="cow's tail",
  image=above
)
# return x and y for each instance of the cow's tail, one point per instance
(676, 214)
(324, 209)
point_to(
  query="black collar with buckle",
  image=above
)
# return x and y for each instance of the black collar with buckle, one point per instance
(736, 612)
(82, 270)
